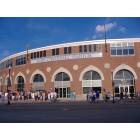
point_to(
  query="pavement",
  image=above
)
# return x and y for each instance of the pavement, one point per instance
(70, 112)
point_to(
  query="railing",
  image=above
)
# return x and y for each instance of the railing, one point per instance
(67, 57)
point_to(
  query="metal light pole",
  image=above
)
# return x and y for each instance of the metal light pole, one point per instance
(105, 37)
(1, 84)
(9, 84)
(113, 87)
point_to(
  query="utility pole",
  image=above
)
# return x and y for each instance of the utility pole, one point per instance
(28, 46)
(105, 37)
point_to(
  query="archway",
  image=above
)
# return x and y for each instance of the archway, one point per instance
(62, 85)
(91, 81)
(38, 82)
(124, 80)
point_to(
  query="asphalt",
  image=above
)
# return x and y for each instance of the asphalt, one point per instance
(70, 112)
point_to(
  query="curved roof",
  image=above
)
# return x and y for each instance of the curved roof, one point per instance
(72, 44)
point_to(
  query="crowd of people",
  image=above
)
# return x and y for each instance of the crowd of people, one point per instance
(49, 95)
(94, 96)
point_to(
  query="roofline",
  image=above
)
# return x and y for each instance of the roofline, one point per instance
(70, 44)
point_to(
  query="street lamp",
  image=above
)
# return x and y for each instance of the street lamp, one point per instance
(113, 87)
(9, 84)
(1, 84)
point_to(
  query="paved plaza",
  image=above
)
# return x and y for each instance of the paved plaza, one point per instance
(70, 112)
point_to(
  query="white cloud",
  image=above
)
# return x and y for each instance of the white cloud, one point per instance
(99, 29)
(108, 27)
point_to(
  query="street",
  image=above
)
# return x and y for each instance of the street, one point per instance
(70, 112)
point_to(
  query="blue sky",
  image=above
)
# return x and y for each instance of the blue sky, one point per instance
(17, 33)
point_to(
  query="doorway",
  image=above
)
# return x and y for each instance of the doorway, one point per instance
(63, 92)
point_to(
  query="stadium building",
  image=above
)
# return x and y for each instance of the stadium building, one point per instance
(75, 67)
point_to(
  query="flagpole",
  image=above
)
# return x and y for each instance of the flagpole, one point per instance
(105, 38)
(27, 49)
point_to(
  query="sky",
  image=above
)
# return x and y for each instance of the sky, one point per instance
(16, 33)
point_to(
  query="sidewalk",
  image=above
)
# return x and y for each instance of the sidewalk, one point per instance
(68, 101)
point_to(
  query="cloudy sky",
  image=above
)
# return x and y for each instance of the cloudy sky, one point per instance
(18, 33)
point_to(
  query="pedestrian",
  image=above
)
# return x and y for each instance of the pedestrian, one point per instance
(89, 96)
(132, 95)
(93, 97)
(9, 98)
(121, 95)
(104, 94)
(97, 96)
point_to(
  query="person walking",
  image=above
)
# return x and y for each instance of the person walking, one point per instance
(97, 96)
(121, 96)
(104, 95)
(93, 97)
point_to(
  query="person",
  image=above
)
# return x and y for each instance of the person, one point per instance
(97, 96)
(89, 96)
(104, 94)
(121, 95)
(93, 97)
(9, 97)
(126, 95)
(132, 95)
(55, 96)
(49, 95)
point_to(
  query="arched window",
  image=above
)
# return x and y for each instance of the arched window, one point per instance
(62, 77)
(38, 82)
(124, 74)
(124, 81)
(91, 75)
(38, 78)
(62, 85)
(91, 81)
(20, 83)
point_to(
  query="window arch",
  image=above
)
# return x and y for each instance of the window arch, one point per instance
(38, 78)
(91, 80)
(124, 80)
(91, 75)
(62, 76)
(124, 74)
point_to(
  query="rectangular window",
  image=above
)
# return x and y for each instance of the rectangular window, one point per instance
(113, 51)
(57, 51)
(32, 55)
(40, 53)
(131, 51)
(95, 47)
(80, 49)
(69, 50)
(65, 50)
(53, 51)
(37, 54)
(89, 48)
(21, 60)
(119, 51)
(9, 63)
(44, 53)
(125, 51)
(85, 48)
